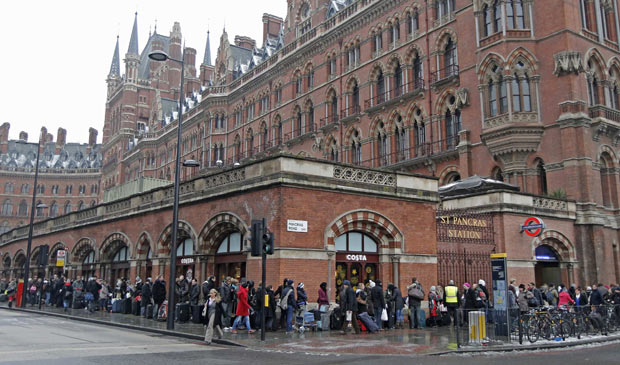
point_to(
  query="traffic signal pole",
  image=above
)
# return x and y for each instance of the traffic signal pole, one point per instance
(264, 294)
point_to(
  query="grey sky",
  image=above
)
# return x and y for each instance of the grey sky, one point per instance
(57, 54)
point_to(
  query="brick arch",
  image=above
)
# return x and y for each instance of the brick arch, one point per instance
(559, 242)
(376, 225)
(613, 62)
(441, 39)
(17, 255)
(111, 243)
(486, 64)
(142, 246)
(6, 258)
(442, 101)
(166, 235)
(218, 226)
(330, 91)
(350, 81)
(394, 58)
(58, 246)
(446, 172)
(391, 120)
(595, 55)
(378, 66)
(413, 50)
(374, 126)
(524, 55)
(411, 110)
(606, 149)
(34, 256)
(349, 134)
(82, 248)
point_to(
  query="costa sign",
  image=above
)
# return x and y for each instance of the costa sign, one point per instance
(533, 227)
(187, 261)
(356, 257)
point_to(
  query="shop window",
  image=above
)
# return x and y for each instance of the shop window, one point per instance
(355, 242)
(230, 244)
(185, 248)
(89, 259)
(121, 255)
(357, 258)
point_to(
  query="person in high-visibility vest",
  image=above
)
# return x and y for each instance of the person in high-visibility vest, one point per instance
(452, 300)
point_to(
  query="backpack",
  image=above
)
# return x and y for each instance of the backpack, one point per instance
(284, 300)
(33, 289)
(549, 295)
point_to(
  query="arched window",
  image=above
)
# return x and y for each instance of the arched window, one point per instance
(250, 143)
(420, 137)
(7, 208)
(356, 242)
(413, 23)
(380, 88)
(498, 174)
(23, 208)
(230, 244)
(450, 59)
(356, 149)
(452, 177)
(398, 80)
(593, 90)
(333, 151)
(68, 208)
(497, 12)
(298, 123)
(356, 98)
(453, 126)
(521, 94)
(89, 259)
(265, 138)
(121, 255)
(542, 177)
(310, 121)
(81, 205)
(185, 248)
(487, 13)
(54, 209)
(334, 108)
(418, 79)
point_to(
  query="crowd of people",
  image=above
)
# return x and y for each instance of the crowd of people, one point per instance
(234, 304)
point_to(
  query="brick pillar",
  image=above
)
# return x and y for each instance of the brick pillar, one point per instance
(465, 160)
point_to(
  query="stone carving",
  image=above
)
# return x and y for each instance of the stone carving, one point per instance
(550, 204)
(462, 97)
(224, 178)
(567, 62)
(318, 143)
(364, 176)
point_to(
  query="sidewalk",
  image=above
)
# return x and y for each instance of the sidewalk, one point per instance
(405, 341)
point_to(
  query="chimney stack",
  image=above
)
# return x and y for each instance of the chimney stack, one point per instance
(271, 26)
(92, 137)
(23, 136)
(4, 137)
(245, 42)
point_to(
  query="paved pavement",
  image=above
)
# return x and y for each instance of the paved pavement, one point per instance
(404, 341)
(27, 338)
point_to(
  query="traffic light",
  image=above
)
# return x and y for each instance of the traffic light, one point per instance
(268, 243)
(257, 232)
(44, 251)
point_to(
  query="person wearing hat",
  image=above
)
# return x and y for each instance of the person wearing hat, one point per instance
(302, 300)
(470, 297)
(348, 302)
(378, 301)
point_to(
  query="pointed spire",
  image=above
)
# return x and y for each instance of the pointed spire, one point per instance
(207, 60)
(133, 41)
(115, 67)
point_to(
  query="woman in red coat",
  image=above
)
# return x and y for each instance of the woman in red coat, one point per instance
(243, 309)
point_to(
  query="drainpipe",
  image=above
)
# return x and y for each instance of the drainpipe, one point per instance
(428, 72)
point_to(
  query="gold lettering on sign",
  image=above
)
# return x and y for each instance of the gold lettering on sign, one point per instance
(460, 221)
(457, 233)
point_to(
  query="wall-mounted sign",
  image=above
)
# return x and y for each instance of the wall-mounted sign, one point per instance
(464, 227)
(533, 227)
(60, 257)
(356, 258)
(296, 226)
(187, 261)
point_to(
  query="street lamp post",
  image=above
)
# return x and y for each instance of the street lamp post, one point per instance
(31, 225)
(162, 56)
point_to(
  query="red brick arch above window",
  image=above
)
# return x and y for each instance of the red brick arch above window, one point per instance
(111, 244)
(143, 245)
(218, 226)
(559, 242)
(82, 248)
(185, 229)
(376, 225)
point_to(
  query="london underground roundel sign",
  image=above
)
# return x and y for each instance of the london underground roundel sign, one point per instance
(533, 226)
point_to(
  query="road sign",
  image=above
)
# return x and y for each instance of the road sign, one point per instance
(60, 257)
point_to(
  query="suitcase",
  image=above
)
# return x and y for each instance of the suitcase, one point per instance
(197, 313)
(162, 312)
(421, 318)
(371, 326)
(135, 307)
(4, 298)
(126, 306)
(445, 319)
(323, 323)
(78, 304)
(335, 320)
(317, 314)
(117, 306)
(149, 311)
(183, 309)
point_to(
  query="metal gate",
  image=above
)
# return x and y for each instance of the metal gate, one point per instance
(463, 266)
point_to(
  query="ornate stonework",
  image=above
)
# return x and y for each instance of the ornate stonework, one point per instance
(364, 176)
(567, 62)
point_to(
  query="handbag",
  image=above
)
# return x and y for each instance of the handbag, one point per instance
(204, 310)
(349, 316)
(384, 316)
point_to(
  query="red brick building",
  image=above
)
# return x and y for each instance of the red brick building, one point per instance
(447, 88)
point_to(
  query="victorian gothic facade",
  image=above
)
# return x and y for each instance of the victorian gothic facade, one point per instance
(444, 88)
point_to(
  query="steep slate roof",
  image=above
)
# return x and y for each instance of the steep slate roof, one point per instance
(72, 156)
(145, 61)
(207, 58)
(115, 67)
(133, 42)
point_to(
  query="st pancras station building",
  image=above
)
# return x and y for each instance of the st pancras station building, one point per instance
(379, 139)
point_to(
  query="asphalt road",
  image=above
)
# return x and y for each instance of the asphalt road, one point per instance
(37, 339)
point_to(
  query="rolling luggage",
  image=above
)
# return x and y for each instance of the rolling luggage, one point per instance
(323, 323)
(183, 309)
(162, 312)
(78, 303)
(117, 306)
(421, 318)
(335, 319)
(371, 326)
(197, 313)
(317, 314)
(445, 319)
(4, 298)
(135, 307)
(126, 306)
(149, 311)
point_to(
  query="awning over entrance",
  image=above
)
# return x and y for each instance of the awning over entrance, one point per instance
(474, 184)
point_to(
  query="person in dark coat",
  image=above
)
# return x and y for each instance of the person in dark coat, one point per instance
(278, 294)
(270, 313)
(194, 295)
(378, 301)
(181, 290)
(207, 286)
(323, 298)
(159, 295)
(399, 304)
(470, 297)
(66, 293)
(348, 302)
(147, 294)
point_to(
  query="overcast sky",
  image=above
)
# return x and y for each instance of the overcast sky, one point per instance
(57, 54)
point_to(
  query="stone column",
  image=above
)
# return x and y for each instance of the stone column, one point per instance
(395, 265)
(331, 255)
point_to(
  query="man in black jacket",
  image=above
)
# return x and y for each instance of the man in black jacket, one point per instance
(146, 296)
(378, 301)
(226, 292)
(349, 303)
(207, 286)
(159, 295)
